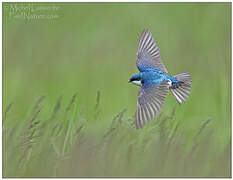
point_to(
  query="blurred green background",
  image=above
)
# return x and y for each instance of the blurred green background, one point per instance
(58, 49)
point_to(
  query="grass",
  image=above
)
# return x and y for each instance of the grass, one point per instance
(61, 146)
(68, 109)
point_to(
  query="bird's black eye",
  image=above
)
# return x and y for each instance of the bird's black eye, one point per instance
(133, 79)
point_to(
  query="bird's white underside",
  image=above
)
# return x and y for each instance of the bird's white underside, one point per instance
(138, 83)
(169, 82)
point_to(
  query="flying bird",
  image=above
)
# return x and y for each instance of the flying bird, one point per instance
(155, 81)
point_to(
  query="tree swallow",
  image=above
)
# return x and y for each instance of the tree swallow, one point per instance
(155, 81)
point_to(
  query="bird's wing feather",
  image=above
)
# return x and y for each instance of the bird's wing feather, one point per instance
(150, 102)
(148, 53)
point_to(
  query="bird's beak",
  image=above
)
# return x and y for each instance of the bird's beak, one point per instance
(129, 81)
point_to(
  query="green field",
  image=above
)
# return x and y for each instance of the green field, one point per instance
(68, 107)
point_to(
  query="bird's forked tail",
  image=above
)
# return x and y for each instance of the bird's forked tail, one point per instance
(181, 90)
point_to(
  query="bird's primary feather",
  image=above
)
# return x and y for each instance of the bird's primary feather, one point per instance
(148, 54)
(150, 102)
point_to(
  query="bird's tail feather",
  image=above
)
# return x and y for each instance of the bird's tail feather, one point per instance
(181, 90)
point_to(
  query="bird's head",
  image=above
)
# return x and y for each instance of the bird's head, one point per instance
(136, 79)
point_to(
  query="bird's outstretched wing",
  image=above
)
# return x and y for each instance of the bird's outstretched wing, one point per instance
(150, 102)
(148, 53)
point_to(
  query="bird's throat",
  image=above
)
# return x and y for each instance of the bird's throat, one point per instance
(138, 83)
